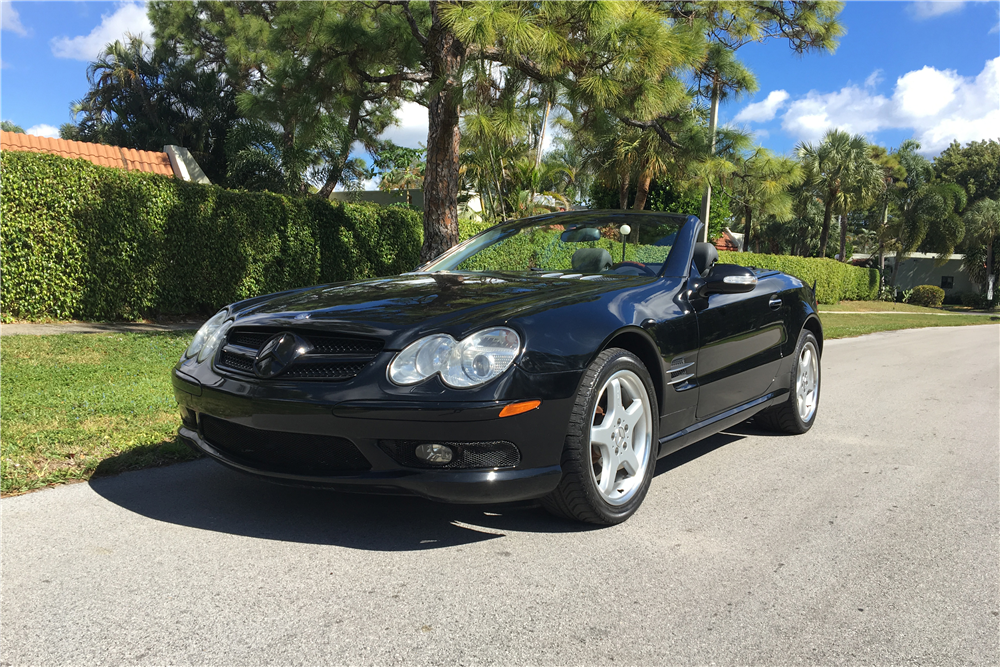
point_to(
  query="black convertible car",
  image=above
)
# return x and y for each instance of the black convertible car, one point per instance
(555, 357)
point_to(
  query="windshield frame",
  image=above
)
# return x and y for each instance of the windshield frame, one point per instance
(569, 217)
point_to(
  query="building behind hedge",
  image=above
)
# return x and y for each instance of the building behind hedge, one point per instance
(923, 268)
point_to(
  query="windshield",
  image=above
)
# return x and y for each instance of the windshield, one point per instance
(599, 242)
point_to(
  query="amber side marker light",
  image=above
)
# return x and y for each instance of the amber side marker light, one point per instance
(518, 408)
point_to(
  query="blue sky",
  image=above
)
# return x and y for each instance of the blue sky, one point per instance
(923, 70)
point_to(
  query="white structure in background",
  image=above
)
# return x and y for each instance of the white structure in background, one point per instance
(924, 268)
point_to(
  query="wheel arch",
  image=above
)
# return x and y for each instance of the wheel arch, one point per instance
(639, 343)
(813, 325)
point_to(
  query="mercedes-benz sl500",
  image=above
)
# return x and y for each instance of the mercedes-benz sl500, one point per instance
(555, 357)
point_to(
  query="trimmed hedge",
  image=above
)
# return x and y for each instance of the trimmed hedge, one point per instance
(95, 243)
(88, 242)
(835, 281)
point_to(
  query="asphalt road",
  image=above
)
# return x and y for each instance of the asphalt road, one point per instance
(871, 540)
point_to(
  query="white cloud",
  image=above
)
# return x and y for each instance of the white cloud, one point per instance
(874, 79)
(43, 130)
(763, 111)
(410, 129)
(938, 105)
(923, 9)
(127, 18)
(10, 20)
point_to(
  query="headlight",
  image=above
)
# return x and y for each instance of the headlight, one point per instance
(473, 361)
(219, 335)
(206, 330)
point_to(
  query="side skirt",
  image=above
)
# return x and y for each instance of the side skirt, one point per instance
(700, 430)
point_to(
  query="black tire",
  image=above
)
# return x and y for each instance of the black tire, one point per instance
(578, 495)
(787, 418)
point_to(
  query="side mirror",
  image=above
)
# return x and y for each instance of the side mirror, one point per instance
(727, 279)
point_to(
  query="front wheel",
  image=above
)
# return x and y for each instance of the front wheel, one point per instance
(798, 413)
(611, 442)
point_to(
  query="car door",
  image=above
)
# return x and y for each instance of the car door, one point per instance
(740, 339)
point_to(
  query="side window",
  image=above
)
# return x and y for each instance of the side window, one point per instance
(947, 282)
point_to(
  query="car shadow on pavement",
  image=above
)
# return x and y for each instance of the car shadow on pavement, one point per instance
(205, 495)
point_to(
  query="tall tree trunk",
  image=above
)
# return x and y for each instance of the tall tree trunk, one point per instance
(843, 238)
(746, 229)
(642, 190)
(337, 170)
(441, 177)
(541, 136)
(623, 183)
(824, 235)
(989, 271)
(706, 199)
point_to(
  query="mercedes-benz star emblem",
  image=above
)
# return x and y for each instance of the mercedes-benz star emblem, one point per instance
(278, 353)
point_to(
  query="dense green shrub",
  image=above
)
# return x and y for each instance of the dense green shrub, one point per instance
(91, 242)
(927, 295)
(835, 281)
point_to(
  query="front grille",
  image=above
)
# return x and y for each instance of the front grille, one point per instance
(278, 451)
(324, 371)
(332, 357)
(236, 362)
(468, 455)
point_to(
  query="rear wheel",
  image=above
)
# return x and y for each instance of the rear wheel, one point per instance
(610, 449)
(797, 414)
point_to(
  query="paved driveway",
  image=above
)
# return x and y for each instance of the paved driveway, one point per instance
(871, 540)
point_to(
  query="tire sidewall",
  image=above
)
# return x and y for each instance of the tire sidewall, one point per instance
(806, 337)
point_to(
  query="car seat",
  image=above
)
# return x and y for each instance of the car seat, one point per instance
(705, 257)
(592, 260)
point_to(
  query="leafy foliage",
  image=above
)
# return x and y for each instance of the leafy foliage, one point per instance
(926, 295)
(89, 242)
(10, 126)
(835, 281)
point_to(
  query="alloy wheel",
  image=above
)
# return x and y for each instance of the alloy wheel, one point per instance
(620, 437)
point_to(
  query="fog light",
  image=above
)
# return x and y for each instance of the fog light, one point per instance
(438, 454)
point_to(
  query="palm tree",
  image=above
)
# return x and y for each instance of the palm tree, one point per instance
(758, 185)
(719, 77)
(982, 224)
(844, 175)
(10, 126)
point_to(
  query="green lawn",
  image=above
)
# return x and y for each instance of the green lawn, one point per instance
(882, 306)
(76, 405)
(848, 324)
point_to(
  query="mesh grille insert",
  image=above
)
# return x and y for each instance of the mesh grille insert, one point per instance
(358, 353)
(278, 451)
(237, 362)
(468, 455)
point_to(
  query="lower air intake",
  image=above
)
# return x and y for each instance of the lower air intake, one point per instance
(278, 451)
(468, 455)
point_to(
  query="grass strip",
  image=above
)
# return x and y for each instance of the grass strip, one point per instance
(78, 405)
(889, 306)
(847, 325)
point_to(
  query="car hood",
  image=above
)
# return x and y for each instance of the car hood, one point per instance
(401, 308)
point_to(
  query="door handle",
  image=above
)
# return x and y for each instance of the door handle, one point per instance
(775, 302)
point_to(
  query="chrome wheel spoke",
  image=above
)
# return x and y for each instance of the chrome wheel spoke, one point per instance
(630, 461)
(609, 471)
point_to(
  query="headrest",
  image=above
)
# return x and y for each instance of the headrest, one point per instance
(705, 255)
(591, 260)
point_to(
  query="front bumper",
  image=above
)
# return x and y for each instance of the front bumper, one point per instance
(538, 435)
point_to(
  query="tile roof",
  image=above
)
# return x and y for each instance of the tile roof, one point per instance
(105, 156)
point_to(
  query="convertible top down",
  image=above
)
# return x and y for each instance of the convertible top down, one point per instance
(554, 357)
